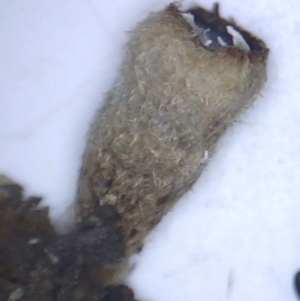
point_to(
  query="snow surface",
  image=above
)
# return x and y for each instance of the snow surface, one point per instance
(236, 234)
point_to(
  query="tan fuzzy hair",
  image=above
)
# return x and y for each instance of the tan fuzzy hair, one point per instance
(172, 100)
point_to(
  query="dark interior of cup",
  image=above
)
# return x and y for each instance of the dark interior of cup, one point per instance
(218, 32)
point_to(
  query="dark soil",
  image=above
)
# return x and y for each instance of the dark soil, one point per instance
(38, 264)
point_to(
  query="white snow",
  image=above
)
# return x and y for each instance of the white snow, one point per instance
(236, 235)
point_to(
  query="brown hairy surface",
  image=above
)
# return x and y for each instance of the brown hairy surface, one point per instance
(172, 100)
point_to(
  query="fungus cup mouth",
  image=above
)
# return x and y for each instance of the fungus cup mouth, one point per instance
(215, 32)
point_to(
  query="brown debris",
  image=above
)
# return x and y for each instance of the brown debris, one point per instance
(38, 264)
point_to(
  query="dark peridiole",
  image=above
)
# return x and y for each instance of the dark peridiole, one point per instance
(213, 28)
(180, 85)
(216, 32)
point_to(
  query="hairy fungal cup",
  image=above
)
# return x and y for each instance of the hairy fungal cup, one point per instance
(185, 77)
